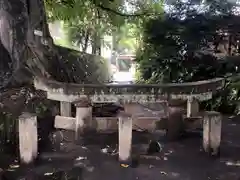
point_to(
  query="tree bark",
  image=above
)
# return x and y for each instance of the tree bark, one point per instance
(96, 45)
(86, 38)
(26, 47)
(27, 50)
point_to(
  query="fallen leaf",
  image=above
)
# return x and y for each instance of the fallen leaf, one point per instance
(163, 173)
(80, 158)
(48, 174)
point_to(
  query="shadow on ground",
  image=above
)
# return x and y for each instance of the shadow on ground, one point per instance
(181, 160)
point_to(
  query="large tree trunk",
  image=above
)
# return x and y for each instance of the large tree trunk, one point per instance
(26, 47)
(27, 50)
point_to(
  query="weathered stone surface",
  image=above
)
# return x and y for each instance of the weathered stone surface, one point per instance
(141, 93)
(28, 137)
(192, 107)
(111, 123)
(125, 138)
(172, 89)
(212, 126)
(175, 124)
(65, 109)
(83, 120)
(193, 123)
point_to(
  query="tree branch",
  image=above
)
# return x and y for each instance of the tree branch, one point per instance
(118, 12)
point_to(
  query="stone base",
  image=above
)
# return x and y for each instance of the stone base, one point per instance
(126, 163)
(212, 152)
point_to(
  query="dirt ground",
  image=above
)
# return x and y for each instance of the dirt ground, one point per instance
(182, 160)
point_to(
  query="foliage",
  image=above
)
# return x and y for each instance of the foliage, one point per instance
(190, 44)
(134, 27)
(126, 38)
(83, 19)
(63, 42)
(68, 10)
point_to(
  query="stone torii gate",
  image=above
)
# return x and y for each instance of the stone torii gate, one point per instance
(82, 95)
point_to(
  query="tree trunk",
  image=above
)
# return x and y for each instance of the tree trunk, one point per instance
(115, 40)
(96, 44)
(26, 46)
(85, 42)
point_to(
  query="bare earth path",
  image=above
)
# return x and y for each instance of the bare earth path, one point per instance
(182, 160)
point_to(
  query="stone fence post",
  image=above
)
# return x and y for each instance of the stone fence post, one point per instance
(212, 125)
(28, 137)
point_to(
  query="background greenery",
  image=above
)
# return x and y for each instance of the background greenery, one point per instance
(192, 43)
(183, 42)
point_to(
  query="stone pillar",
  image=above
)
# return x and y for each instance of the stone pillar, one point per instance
(125, 139)
(83, 117)
(212, 125)
(175, 124)
(192, 107)
(65, 109)
(28, 137)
